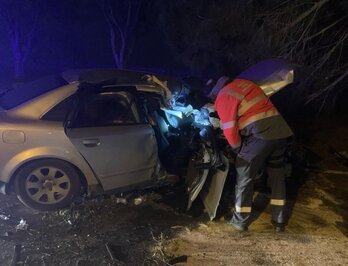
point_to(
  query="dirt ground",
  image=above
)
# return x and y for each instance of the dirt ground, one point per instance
(153, 228)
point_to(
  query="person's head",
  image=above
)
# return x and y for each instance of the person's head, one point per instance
(216, 86)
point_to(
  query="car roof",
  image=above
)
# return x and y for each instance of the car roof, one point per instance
(35, 107)
(121, 76)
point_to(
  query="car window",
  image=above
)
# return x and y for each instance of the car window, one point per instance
(107, 109)
(59, 111)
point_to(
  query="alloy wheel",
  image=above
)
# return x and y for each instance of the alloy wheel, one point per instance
(47, 185)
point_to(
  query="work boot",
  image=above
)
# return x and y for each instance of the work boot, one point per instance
(278, 227)
(238, 227)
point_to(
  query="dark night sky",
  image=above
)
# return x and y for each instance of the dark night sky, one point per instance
(201, 38)
(75, 34)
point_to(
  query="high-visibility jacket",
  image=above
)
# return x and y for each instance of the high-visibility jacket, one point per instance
(239, 104)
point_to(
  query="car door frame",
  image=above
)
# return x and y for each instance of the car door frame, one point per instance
(83, 92)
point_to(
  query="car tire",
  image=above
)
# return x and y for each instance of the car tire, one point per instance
(47, 184)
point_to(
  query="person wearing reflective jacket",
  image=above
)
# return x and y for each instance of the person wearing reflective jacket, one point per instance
(258, 135)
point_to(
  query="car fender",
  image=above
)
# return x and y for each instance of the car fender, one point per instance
(48, 153)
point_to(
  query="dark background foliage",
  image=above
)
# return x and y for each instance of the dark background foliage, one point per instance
(203, 38)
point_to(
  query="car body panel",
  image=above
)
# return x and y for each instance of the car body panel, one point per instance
(119, 155)
(196, 178)
(40, 139)
(43, 139)
(211, 193)
(109, 157)
(36, 108)
(207, 183)
(122, 77)
(271, 75)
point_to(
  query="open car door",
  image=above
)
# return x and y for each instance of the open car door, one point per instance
(196, 176)
(212, 191)
(108, 130)
(207, 182)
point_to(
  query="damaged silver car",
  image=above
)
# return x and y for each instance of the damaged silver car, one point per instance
(89, 132)
(92, 132)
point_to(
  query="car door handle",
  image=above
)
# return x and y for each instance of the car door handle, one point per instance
(91, 142)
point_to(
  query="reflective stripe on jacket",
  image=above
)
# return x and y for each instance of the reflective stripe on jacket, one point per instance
(240, 103)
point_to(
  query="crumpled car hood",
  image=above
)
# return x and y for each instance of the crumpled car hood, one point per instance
(271, 75)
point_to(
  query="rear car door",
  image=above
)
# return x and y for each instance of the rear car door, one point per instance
(109, 131)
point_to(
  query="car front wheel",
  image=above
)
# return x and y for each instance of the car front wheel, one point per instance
(47, 184)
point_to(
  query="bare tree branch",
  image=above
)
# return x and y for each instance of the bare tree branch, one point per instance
(328, 88)
(327, 56)
(121, 19)
(305, 31)
(21, 25)
(113, 47)
(324, 29)
(305, 14)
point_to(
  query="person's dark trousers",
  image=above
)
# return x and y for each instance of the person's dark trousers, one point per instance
(255, 154)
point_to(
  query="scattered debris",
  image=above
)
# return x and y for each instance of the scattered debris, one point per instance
(201, 225)
(4, 217)
(64, 212)
(110, 250)
(8, 218)
(16, 254)
(121, 200)
(22, 225)
(155, 196)
(116, 253)
(6, 235)
(139, 200)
